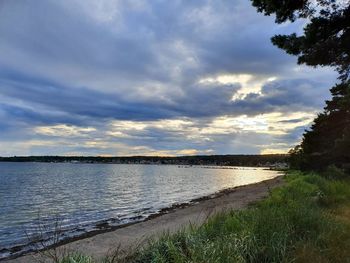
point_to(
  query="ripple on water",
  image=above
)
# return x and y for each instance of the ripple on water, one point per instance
(86, 197)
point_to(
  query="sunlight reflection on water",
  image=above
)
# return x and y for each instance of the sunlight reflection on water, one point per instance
(83, 194)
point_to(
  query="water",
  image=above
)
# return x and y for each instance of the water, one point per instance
(80, 196)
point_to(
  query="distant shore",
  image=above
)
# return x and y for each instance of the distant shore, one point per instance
(99, 243)
(257, 160)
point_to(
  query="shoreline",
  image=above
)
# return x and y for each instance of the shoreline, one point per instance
(105, 226)
(205, 166)
(99, 243)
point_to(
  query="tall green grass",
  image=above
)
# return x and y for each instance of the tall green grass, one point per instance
(297, 221)
(77, 258)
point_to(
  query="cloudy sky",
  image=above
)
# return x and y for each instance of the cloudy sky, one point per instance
(134, 77)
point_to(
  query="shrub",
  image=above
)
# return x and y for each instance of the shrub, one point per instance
(333, 172)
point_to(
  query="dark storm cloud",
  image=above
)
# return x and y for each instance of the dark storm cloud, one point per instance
(71, 105)
(86, 63)
(284, 95)
(293, 120)
(58, 100)
(143, 44)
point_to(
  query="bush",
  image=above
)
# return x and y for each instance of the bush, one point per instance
(333, 172)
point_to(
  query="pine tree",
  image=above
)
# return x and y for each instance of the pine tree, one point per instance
(325, 42)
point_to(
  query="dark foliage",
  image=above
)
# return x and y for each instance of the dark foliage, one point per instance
(326, 38)
(325, 42)
(328, 140)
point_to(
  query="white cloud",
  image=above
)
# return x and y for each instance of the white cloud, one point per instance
(130, 77)
(63, 130)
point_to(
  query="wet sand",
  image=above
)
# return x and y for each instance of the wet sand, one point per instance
(168, 220)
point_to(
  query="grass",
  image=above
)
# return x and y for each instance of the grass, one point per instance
(306, 219)
(76, 258)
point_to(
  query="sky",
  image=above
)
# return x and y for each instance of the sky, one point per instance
(135, 77)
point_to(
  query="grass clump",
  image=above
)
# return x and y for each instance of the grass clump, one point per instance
(77, 258)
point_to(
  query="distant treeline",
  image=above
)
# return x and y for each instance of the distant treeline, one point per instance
(224, 160)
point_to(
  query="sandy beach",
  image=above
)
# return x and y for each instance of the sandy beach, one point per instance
(171, 220)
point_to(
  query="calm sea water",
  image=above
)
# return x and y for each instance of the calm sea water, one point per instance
(81, 196)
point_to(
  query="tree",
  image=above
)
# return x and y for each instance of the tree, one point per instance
(324, 42)
(327, 142)
(326, 38)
